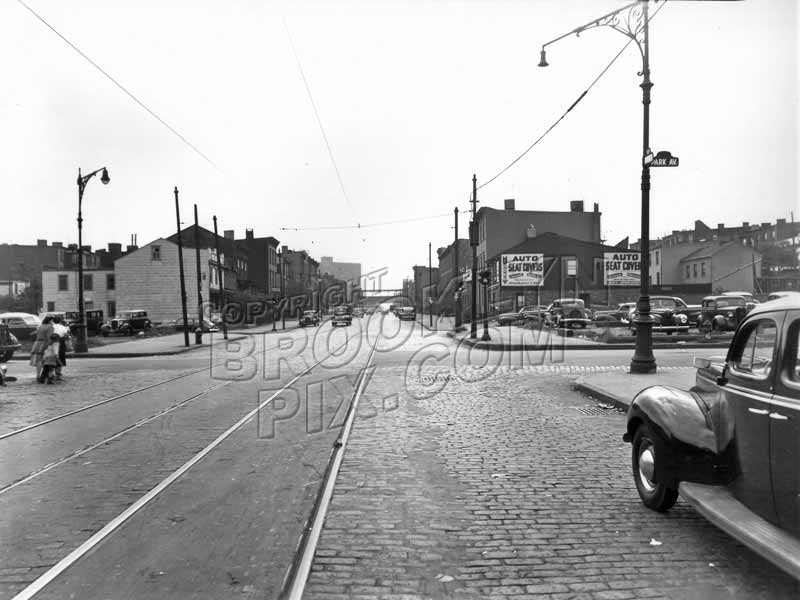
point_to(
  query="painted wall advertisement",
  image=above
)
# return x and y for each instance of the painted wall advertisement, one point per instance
(622, 268)
(521, 270)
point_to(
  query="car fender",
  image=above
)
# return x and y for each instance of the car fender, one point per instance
(693, 432)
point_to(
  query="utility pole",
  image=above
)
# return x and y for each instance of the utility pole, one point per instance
(198, 333)
(473, 241)
(430, 287)
(180, 267)
(456, 273)
(221, 285)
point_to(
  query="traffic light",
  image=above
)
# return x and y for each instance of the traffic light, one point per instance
(485, 277)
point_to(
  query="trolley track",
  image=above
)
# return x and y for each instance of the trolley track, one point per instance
(113, 525)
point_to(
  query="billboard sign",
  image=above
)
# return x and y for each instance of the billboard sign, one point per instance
(622, 268)
(519, 270)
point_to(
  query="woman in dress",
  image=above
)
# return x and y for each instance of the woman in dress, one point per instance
(43, 335)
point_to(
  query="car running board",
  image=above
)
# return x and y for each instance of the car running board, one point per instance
(719, 506)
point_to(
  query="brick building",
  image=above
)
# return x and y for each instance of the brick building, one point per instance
(501, 229)
(447, 277)
(262, 263)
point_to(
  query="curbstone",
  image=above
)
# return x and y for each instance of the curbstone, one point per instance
(581, 385)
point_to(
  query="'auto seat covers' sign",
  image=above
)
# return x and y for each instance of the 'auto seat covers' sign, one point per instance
(621, 268)
(521, 269)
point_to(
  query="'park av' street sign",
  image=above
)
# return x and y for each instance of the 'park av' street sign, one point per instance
(664, 159)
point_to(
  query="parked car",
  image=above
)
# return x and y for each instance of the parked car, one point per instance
(128, 322)
(8, 343)
(749, 299)
(670, 315)
(529, 312)
(407, 313)
(309, 318)
(620, 314)
(776, 295)
(728, 446)
(722, 313)
(341, 316)
(22, 325)
(94, 321)
(568, 312)
(206, 327)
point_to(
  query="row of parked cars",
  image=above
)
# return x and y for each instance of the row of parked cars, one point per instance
(343, 315)
(671, 314)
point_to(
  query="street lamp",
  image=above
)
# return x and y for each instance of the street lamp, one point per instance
(634, 24)
(485, 279)
(80, 344)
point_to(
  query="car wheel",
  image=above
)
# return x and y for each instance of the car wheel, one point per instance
(644, 459)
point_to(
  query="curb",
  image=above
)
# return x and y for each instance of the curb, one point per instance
(27, 357)
(600, 394)
(481, 345)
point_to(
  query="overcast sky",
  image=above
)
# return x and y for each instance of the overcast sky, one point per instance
(414, 97)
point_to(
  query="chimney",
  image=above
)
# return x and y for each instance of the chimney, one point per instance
(765, 225)
(596, 207)
(58, 245)
(115, 250)
(248, 234)
(284, 249)
(509, 203)
(228, 234)
(720, 225)
(745, 224)
(576, 206)
(41, 243)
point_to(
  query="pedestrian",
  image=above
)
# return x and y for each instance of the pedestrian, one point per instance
(43, 333)
(50, 362)
(64, 341)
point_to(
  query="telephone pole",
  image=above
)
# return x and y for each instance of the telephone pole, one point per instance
(457, 274)
(473, 241)
(180, 267)
(198, 332)
(430, 287)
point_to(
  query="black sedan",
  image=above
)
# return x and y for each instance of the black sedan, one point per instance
(309, 318)
(728, 446)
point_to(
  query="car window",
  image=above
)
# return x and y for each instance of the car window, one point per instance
(754, 354)
(793, 349)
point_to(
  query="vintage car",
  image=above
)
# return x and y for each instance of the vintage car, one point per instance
(8, 343)
(729, 445)
(406, 313)
(722, 313)
(776, 295)
(749, 300)
(341, 316)
(127, 322)
(618, 315)
(567, 313)
(22, 325)
(309, 318)
(526, 313)
(670, 315)
(206, 327)
(94, 321)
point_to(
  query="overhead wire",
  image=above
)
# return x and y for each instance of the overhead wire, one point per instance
(122, 87)
(566, 112)
(319, 120)
(364, 225)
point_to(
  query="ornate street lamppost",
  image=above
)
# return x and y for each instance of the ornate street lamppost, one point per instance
(80, 344)
(634, 24)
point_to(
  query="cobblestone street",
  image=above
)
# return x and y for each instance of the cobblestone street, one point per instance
(513, 485)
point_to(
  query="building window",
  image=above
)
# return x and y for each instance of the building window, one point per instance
(88, 282)
(658, 278)
(694, 270)
(657, 252)
(688, 271)
(51, 306)
(112, 309)
(155, 252)
(111, 281)
(63, 283)
(703, 269)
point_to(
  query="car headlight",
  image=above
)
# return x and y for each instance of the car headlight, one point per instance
(681, 318)
(729, 314)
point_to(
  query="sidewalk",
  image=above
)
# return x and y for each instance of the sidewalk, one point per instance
(513, 338)
(164, 345)
(619, 387)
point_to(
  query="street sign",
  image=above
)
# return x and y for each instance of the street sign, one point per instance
(521, 270)
(621, 268)
(664, 159)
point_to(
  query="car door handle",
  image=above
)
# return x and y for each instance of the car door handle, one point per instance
(758, 411)
(778, 417)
